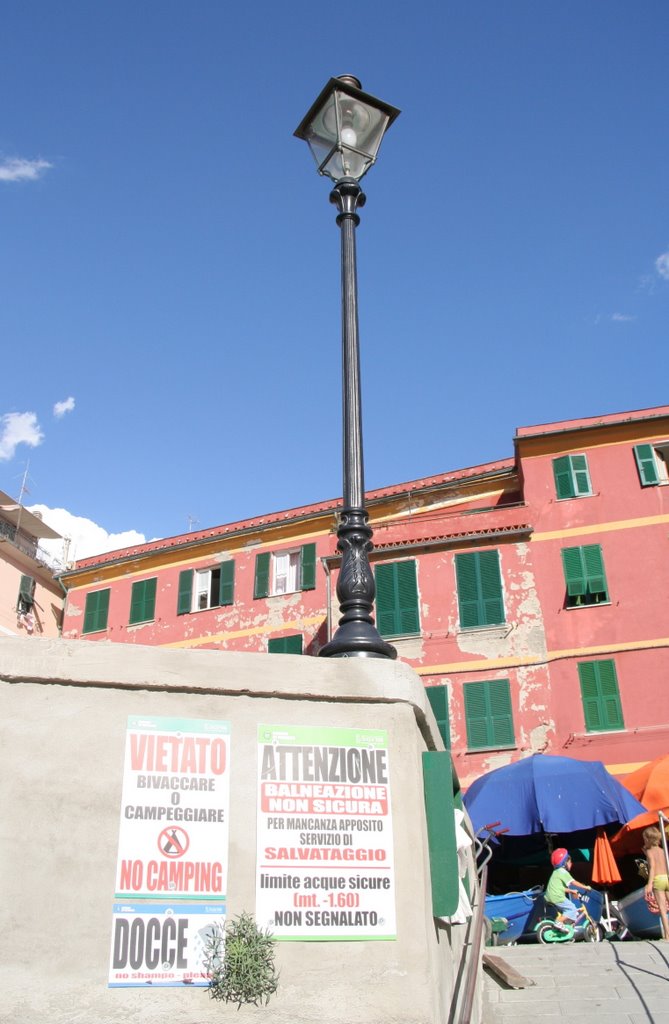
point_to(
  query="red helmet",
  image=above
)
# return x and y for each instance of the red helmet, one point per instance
(559, 857)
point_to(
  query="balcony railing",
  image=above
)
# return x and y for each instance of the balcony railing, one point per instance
(20, 540)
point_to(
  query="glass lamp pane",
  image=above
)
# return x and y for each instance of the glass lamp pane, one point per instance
(346, 163)
(360, 125)
(344, 135)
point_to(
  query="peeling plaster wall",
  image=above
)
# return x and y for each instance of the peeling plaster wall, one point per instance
(245, 625)
(514, 511)
(631, 525)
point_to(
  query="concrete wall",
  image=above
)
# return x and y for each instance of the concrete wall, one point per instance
(63, 713)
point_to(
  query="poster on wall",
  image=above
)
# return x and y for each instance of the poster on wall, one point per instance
(325, 868)
(162, 944)
(173, 836)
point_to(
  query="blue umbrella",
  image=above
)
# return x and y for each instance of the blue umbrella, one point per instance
(543, 793)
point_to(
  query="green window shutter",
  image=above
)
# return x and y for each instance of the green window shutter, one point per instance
(491, 588)
(471, 613)
(645, 463)
(103, 608)
(564, 484)
(261, 582)
(136, 602)
(384, 576)
(438, 698)
(88, 614)
(185, 599)
(479, 589)
(150, 597)
(397, 599)
(572, 477)
(501, 717)
(590, 696)
(26, 597)
(285, 644)
(594, 569)
(308, 567)
(96, 611)
(143, 601)
(600, 696)
(610, 696)
(476, 715)
(488, 714)
(407, 597)
(226, 589)
(574, 572)
(580, 474)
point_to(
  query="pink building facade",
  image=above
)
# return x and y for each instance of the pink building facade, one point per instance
(530, 594)
(31, 598)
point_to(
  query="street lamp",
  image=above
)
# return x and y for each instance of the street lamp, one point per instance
(344, 129)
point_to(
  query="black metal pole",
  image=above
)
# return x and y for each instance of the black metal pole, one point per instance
(356, 635)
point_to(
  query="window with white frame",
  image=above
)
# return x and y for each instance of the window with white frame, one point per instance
(651, 462)
(286, 572)
(213, 587)
(206, 589)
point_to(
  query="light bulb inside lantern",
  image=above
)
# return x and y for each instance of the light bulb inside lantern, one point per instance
(349, 137)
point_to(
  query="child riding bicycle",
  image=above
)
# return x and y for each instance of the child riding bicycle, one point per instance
(561, 886)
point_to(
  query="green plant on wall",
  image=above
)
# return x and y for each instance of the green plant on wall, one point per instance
(240, 963)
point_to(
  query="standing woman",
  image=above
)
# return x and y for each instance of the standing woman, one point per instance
(658, 881)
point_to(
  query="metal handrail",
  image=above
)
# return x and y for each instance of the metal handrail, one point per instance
(473, 967)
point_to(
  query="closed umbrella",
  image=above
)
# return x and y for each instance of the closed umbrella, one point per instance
(604, 868)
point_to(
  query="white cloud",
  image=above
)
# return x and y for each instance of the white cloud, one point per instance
(86, 538)
(18, 428)
(18, 169)
(60, 408)
(622, 318)
(662, 265)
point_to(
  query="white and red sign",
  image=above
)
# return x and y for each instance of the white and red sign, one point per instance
(325, 866)
(173, 837)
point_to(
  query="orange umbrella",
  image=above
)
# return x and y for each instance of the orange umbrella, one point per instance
(630, 837)
(650, 785)
(604, 870)
(604, 867)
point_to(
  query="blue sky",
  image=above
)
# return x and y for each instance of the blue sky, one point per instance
(170, 261)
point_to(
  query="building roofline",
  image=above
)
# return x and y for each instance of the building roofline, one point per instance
(180, 542)
(443, 540)
(590, 422)
(21, 517)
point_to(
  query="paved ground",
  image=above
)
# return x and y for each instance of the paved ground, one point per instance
(615, 982)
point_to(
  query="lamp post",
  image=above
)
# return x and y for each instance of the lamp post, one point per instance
(344, 129)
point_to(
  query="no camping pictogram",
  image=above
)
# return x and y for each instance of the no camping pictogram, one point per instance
(173, 842)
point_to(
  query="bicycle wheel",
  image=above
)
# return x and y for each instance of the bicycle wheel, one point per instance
(593, 932)
(546, 933)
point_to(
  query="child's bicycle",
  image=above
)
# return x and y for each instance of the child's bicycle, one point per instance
(549, 931)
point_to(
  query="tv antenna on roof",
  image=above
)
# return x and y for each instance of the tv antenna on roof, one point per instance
(192, 521)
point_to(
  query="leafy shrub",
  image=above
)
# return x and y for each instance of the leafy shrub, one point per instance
(240, 963)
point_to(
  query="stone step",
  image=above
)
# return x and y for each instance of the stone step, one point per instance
(620, 982)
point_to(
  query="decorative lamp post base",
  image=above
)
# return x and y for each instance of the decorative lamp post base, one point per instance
(356, 635)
